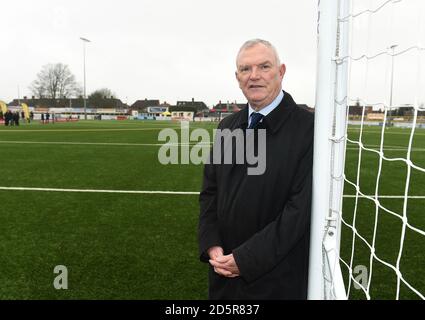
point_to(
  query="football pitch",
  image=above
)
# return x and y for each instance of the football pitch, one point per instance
(91, 202)
(396, 246)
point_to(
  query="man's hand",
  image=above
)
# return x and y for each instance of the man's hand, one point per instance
(225, 265)
(215, 252)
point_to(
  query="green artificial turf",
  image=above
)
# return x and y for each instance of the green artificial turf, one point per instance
(144, 246)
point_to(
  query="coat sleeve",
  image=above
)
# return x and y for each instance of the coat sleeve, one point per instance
(262, 252)
(208, 229)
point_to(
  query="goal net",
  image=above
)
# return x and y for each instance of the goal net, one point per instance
(368, 218)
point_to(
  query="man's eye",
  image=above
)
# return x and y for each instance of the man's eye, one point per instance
(265, 67)
(246, 69)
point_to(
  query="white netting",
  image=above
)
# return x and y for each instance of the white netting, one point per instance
(383, 212)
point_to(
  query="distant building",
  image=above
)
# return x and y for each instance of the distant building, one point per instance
(231, 107)
(405, 111)
(357, 110)
(142, 105)
(182, 115)
(73, 108)
(222, 110)
(68, 103)
(196, 106)
(374, 116)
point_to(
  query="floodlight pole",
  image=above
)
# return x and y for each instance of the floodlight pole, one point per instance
(392, 84)
(84, 59)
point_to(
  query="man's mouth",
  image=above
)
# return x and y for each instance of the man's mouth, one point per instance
(255, 86)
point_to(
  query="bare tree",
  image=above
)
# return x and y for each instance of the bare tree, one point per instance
(103, 93)
(38, 89)
(55, 81)
(99, 97)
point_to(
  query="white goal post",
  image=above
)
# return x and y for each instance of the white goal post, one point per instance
(334, 94)
(325, 278)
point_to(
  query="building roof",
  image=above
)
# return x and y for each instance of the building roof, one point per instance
(67, 102)
(197, 105)
(143, 104)
(229, 107)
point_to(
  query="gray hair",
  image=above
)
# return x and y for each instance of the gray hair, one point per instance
(254, 42)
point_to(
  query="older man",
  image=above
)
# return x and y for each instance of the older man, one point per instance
(254, 229)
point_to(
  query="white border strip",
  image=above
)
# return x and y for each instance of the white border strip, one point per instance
(154, 192)
(387, 148)
(106, 143)
(98, 191)
(385, 197)
(86, 130)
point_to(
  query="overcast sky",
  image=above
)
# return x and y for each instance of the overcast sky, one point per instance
(176, 50)
(163, 49)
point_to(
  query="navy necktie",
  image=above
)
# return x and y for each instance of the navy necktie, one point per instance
(255, 119)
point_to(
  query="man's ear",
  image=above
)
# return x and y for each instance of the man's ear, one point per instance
(237, 78)
(282, 70)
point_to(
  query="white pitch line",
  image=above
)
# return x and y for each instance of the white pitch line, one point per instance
(84, 130)
(103, 143)
(155, 192)
(391, 149)
(385, 197)
(354, 146)
(98, 191)
(399, 133)
(153, 144)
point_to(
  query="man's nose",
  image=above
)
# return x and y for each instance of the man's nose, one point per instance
(254, 74)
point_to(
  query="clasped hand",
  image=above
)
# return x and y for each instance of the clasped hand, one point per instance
(224, 265)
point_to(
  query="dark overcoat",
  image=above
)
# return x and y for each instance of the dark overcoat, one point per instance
(264, 220)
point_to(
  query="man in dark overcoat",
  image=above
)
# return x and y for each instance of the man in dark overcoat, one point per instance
(254, 228)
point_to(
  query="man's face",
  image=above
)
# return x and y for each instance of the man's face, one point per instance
(259, 75)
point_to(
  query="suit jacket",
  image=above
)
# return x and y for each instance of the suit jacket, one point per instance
(263, 219)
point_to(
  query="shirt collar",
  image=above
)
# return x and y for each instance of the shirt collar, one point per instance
(267, 109)
(275, 119)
